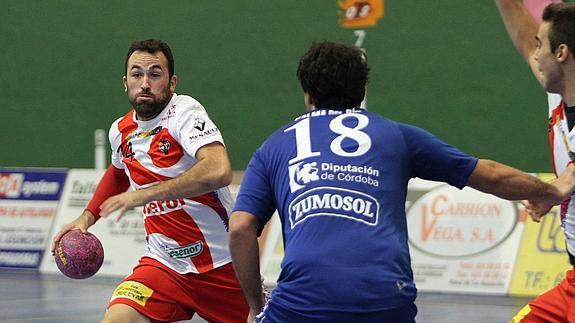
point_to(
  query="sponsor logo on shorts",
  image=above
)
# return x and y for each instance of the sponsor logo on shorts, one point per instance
(133, 291)
(188, 251)
(334, 202)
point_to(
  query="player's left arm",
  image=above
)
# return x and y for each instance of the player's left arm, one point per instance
(244, 250)
(211, 172)
(512, 184)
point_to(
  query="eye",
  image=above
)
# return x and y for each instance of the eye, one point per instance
(136, 74)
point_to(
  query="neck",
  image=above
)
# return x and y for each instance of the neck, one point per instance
(568, 94)
(568, 91)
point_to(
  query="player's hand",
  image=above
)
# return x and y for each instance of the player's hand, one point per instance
(536, 209)
(122, 202)
(83, 222)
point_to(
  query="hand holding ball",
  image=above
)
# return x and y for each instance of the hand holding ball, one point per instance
(79, 255)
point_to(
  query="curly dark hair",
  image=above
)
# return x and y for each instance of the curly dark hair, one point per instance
(562, 19)
(151, 46)
(334, 75)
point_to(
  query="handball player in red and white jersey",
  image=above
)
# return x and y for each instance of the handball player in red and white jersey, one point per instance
(173, 157)
(547, 42)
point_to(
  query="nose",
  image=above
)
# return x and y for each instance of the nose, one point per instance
(145, 83)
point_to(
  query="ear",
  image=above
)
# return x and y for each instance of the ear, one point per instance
(562, 53)
(173, 82)
(125, 81)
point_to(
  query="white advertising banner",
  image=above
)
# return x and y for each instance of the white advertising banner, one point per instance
(28, 202)
(461, 240)
(123, 241)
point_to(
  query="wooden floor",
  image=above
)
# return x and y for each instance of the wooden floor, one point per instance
(26, 296)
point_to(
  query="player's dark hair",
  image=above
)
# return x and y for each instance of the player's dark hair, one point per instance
(334, 75)
(151, 46)
(562, 30)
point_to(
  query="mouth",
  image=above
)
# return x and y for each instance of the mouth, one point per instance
(144, 98)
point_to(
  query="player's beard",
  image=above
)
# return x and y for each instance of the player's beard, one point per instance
(148, 111)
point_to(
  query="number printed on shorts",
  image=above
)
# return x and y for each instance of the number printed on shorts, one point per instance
(303, 141)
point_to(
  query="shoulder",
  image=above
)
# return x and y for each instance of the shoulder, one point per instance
(123, 124)
(125, 120)
(185, 103)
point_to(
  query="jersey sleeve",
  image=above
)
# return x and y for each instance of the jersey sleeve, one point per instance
(255, 194)
(435, 160)
(196, 129)
(113, 182)
(115, 138)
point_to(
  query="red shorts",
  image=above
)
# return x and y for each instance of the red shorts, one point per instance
(555, 305)
(163, 295)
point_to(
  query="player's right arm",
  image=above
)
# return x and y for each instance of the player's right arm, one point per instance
(522, 29)
(113, 182)
(244, 250)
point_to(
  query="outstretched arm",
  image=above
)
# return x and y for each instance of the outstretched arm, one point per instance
(512, 184)
(211, 172)
(522, 29)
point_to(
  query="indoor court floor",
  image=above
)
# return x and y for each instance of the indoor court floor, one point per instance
(27, 296)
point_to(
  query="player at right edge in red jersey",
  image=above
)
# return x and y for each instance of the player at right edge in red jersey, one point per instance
(172, 155)
(549, 49)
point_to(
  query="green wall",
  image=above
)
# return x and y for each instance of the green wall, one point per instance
(443, 65)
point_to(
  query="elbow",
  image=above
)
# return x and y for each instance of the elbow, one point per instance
(235, 236)
(223, 177)
(243, 226)
(227, 177)
(216, 177)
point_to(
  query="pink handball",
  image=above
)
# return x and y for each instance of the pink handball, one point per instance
(79, 255)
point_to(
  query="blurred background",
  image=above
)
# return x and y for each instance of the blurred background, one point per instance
(447, 66)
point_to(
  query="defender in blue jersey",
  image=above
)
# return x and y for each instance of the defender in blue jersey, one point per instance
(338, 176)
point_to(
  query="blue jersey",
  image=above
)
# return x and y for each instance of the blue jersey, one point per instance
(338, 180)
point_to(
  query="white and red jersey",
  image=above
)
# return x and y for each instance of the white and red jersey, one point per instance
(189, 235)
(562, 142)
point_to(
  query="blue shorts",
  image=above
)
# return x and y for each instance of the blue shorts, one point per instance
(274, 313)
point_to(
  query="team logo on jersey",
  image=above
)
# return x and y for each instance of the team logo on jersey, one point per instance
(126, 150)
(200, 124)
(334, 202)
(302, 174)
(164, 146)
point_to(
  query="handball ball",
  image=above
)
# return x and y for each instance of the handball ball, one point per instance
(79, 255)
